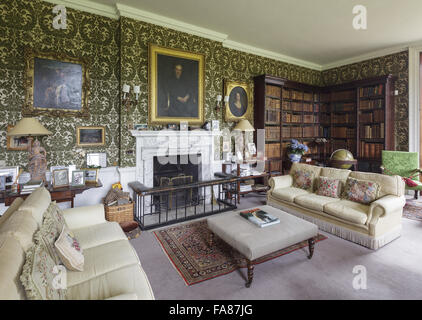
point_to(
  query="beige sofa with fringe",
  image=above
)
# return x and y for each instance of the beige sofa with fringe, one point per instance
(112, 269)
(372, 225)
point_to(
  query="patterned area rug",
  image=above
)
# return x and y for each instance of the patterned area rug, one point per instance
(188, 249)
(413, 210)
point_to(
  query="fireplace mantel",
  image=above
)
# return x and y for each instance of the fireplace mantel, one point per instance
(172, 142)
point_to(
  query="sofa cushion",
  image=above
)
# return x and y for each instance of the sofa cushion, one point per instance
(303, 179)
(328, 187)
(334, 173)
(348, 210)
(12, 258)
(393, 185)
(131, 279)
(102, 259)
(36, 203)
(314, 201)
(362, 191)
(306, 167)
(69, 250)
(12, 208)
(288, 194)
(99, 234)
(39, 275)
(22, 226)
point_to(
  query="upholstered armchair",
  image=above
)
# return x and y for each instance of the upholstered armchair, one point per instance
(404, 164)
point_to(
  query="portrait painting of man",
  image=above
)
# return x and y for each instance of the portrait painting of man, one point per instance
(176, 86)
(56, 84)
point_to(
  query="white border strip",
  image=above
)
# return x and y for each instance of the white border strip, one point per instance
(89, 6)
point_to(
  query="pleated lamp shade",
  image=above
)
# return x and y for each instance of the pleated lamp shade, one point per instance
(28, 127)
(244, 125)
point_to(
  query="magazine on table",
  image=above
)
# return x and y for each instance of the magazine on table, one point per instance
(259, 217)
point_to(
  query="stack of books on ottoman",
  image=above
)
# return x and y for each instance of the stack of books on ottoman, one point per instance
(31, 186)
(259, 217)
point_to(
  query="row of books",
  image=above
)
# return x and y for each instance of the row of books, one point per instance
(297, 95)
(289, 117)
(294, 106)
(272, 150)
(371, 91)
(272, 133)
(375, 131)
(349, 144)
(272, 103)
(343, 118)
(371, 104)
(371, 150)
(375, 116)
(272, 116)
(325, 118)
(304, 132)
(271, 166)
(343, 132)
(273, 91)
(343, 95)
(259, 217)
(341, 107)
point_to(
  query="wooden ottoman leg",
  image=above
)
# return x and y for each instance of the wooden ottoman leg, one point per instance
(250, 273)
(311, 243)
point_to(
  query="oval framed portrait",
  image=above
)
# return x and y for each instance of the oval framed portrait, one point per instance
(239, 105)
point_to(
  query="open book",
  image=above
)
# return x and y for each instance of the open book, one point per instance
(259, 217)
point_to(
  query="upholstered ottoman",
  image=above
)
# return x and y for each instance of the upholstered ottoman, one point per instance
(254, 242)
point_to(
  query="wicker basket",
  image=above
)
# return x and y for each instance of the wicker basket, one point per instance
(119, 213)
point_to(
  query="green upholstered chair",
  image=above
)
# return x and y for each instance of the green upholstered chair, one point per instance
(404, 164)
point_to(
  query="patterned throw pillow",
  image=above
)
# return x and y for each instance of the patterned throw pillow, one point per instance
(361, 191)
(329, 187)
(303, 179)
(40, 275)
(48, 234)
(54, 212)
(69, 250)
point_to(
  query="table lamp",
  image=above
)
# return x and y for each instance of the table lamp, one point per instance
(31, 127)
(244, 126)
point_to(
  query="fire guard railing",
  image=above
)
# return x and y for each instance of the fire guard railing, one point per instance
(160, 206)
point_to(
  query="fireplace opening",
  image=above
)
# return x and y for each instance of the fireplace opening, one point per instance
(185, 169)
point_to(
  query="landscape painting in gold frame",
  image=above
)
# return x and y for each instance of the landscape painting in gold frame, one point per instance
(90, 136)
(56, 84)
(239, 105)
(176, 86)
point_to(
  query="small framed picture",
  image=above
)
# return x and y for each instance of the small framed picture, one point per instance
(10, 174)
(183, 126)
(215, 125)
(226, 145)
(96, 159)
(239, 157)
(78, 178)
(60, 178)
(251, 148)
(91, 175)
(16, 143)
(90, 136)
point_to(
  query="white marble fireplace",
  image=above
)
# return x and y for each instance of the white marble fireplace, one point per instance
(167, 143)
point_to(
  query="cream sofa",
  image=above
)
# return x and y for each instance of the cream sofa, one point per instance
(112, 269)
(372, 225)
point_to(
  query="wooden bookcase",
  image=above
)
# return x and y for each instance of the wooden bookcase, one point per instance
(357, 116)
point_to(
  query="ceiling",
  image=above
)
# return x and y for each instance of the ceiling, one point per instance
(317, 32)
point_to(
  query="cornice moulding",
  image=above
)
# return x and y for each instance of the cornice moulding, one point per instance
(89, 6)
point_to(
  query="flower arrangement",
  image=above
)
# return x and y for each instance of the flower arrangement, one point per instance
(297, 148)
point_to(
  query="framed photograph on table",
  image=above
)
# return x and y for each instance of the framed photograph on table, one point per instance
(91, 175)
(56, 84)
(90, 136)
(239, 105)
(176, 86)
(60, 178)
(78, 178)
(10, 174)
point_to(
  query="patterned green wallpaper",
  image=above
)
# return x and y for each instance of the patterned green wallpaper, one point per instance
(396, 64)
(118, 51)
(220, 63)
(29, 23)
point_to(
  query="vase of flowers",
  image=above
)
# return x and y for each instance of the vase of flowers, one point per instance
(296, 150)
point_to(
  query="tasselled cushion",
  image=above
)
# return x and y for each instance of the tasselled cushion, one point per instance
(361, 191)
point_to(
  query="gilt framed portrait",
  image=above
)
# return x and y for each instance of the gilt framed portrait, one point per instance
(239, 105)
(90, 136)
(56, 84)
(176, 86)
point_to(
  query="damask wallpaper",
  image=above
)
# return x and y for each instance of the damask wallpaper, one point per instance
(396, 64)
(118, 54)
(29, 23)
